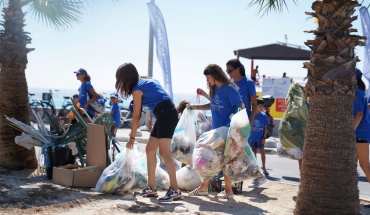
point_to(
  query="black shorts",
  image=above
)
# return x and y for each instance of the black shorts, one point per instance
(361, 141)
(167, 118)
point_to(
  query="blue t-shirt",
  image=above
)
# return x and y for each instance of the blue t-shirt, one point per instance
(224, 103)
(83, 97)
(153, 92)
(116, 114)
(260, 121)
(246, 90)
(360, 105)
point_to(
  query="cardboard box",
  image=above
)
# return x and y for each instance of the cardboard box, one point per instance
(96, 155)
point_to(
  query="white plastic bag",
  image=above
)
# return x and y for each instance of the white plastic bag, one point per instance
(119, 176)
(208, 152)
(202, 124)
(140, 167)
(292, 153)
(243, 167)
(184, 138)
(162, 180)
(238, 135)
(188, 178)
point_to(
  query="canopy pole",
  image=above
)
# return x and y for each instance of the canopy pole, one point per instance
(237, 54)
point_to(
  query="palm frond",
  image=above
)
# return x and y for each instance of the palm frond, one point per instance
(57, 13)
(268, 6)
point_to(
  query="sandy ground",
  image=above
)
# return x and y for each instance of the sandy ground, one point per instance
(27, 192)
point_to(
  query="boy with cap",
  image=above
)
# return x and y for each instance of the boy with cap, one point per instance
(114, 111)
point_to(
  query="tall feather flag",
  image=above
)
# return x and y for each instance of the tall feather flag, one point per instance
(163, 53)
(365, 22)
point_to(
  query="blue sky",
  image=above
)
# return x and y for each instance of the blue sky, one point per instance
(200, 32)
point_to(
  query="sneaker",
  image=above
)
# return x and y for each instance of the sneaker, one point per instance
(171, 195)
(147, 192)
(258, 182)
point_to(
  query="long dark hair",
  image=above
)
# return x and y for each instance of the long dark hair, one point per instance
(127, 77)
(235, 63)
(218, 74)
(360, 83)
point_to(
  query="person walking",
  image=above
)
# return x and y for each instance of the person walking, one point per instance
(148, 92)
(362, 125)
(224, 101)
(87, 94)
(257, 138)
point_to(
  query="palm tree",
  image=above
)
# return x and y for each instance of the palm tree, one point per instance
(13, 62)
(328, 176)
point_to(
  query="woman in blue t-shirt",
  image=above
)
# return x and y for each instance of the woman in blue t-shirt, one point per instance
(362, 125)
(246, 87)
(224, 101)
(87, 94)
(148, 92)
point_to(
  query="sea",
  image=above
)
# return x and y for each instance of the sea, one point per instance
(59, 101)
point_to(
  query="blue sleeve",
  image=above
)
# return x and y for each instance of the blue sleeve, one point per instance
(115, 108)
(358, 106)
(251, 88)
(234, 96)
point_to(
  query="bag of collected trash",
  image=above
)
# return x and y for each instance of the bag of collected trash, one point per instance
(119, 176)
(184, 138)
(292, 153)
(140, 168)
(237, 136)
(162, 180)
(208, 154)
(188, 178)
(202, 124)
(294, 121)
(243, 167)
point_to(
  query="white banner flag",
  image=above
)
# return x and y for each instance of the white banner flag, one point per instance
(163, 53)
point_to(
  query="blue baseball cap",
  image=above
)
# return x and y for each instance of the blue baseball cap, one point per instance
(81, 71)
(358, 73)
(114, 95)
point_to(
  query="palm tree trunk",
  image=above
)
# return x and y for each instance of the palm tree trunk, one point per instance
(13, 88)
(329, 168)
(328, 176)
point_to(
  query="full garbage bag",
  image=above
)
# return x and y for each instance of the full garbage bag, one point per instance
(292, 153)
(208, 152)
(184, 138)
(140, 168)
(188, 178)
(294, 121)
(119, 176)
(202, 124)
(243, 167)
(162, 180)
(238, 135)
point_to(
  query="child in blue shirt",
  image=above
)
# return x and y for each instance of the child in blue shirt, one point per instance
(258, 134)
(114, 110)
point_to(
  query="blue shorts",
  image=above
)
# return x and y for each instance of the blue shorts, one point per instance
(256, 145)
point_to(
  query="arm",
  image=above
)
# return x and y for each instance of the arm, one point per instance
(264, 135)
(202, 93)
(254, 110)
(137, 94)
(358, 118)
(92, 99)
(200, 107)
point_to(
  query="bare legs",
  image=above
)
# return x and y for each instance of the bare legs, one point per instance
(263, 158)
(363, 158)
(164, 150)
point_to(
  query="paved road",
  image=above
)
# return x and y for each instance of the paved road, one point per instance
(286, 170)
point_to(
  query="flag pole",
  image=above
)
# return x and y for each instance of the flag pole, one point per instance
(149, 116)
(150, 54)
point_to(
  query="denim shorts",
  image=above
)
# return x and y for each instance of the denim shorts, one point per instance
(166, 120)
(256, 145)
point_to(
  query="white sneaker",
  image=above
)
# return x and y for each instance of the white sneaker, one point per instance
(257, 182)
